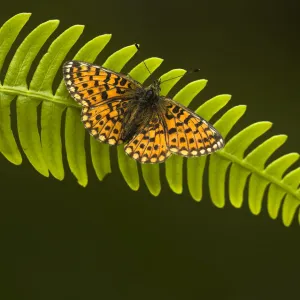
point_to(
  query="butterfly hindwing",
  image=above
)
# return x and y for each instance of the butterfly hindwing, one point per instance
(187, 133)
(105, 122)
(149, 145)
(90, 84)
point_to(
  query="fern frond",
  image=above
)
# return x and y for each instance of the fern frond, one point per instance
(43, 147)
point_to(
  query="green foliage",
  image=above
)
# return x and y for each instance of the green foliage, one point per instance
(41, 140)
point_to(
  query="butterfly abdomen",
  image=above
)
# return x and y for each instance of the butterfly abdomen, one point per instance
(138, 114)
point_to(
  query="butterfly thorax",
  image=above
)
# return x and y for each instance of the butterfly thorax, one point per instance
(151, 93)
(149, 96)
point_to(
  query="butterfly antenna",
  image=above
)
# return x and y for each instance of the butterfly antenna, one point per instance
(138, 47)
(189, 72)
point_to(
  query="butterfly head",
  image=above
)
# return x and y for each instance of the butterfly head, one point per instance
(152, 92)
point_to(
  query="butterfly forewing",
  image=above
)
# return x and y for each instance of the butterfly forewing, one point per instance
(90, 84)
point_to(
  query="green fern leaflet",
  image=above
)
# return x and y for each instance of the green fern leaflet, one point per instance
(40, 112)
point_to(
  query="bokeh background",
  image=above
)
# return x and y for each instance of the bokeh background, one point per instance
(62, 241)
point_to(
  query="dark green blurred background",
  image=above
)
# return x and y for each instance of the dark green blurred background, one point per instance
(62, 241)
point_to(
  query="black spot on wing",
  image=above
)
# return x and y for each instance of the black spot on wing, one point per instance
(123, 82)
(107, 77)
(172, 130)
(104, 95)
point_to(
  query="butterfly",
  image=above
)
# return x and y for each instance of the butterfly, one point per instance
(117, 109)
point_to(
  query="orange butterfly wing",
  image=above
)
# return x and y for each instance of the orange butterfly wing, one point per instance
(187, 133)
(105, 122)
(104, 95)
(90, 84)
(149, 145)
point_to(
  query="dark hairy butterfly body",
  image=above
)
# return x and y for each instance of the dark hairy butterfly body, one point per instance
(117, 109)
